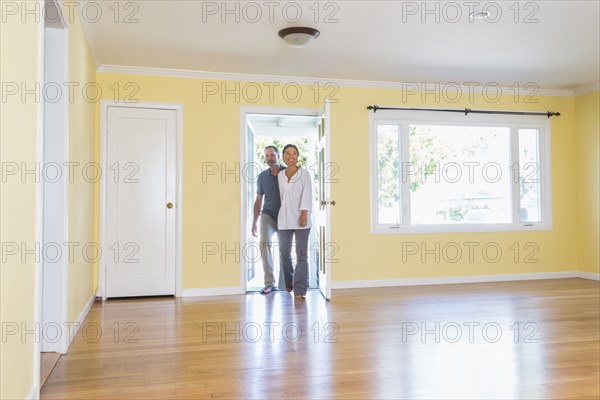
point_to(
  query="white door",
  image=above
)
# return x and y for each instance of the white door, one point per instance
(327, 171)
(140, 202)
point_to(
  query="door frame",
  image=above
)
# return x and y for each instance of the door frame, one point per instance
(53, 277)
(178, 108)
(244, 227)
(56, 195)
(59, 306)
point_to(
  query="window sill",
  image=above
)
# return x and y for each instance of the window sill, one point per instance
(462, 228)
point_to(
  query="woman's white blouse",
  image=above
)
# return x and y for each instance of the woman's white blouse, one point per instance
(296, 195)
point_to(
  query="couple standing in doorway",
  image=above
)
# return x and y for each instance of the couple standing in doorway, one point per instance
(287, 195)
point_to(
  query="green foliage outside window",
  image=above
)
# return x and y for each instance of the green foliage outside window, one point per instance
(261, 142)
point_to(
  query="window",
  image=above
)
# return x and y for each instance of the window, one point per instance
(437, 172)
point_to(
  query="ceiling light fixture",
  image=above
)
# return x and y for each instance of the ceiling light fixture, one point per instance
(299, 36)
(479, 15)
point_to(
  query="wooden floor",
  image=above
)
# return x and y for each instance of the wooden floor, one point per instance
(48, 361)
(506, 340)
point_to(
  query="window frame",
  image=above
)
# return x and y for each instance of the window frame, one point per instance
(404, 118)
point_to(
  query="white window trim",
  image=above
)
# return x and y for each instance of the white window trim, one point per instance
(403, 118)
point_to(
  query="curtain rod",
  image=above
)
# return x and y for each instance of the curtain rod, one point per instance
(466, 111)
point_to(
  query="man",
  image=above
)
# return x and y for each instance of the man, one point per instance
(267, 187)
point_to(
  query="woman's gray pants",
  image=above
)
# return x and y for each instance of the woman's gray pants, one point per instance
(299, 275)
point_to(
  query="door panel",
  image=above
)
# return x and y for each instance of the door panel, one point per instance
(141, 183)
(323, 213)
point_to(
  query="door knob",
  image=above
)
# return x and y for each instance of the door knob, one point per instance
(169, 205)
(324, 203)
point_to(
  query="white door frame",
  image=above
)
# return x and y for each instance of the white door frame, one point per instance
(244, 111)
(178, 108)
(52, 226)
(56, 194)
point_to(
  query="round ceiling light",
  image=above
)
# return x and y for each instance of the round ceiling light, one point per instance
(479, 15)
(299, 36)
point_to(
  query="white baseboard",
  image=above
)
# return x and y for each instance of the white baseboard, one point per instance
(588, 275)
(74, 328)
(235, 290)
(218, 291)
(34, 393)
(455, 279)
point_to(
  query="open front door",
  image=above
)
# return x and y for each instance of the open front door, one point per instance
(326, 175)
(251, 242)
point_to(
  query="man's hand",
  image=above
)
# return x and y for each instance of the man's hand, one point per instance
(257, 206)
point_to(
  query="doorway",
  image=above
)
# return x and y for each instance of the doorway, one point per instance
(54, 268)
(278, 130)
(305, 128)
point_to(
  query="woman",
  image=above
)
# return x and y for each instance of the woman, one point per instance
(295, 190)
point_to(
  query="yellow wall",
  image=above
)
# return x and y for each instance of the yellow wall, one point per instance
(18, 144)
(211, 210)
(83, 190)
(211, 135)
(587, 129)
(364, 256)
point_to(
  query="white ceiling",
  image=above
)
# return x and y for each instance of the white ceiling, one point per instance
(284, 125)
(393, 41)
